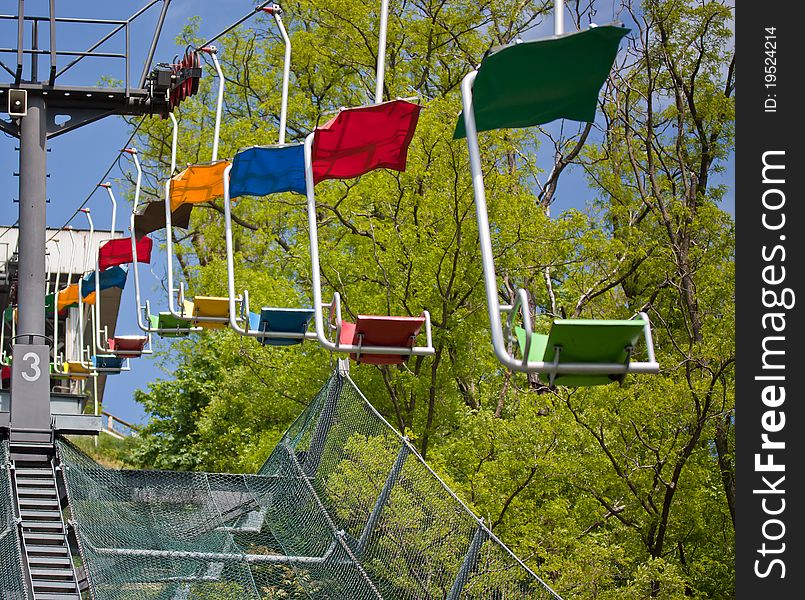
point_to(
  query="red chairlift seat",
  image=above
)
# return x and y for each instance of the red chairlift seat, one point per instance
(128, 345)
(376, 330)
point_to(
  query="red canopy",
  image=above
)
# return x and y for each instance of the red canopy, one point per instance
(359, 140)
(118, 252)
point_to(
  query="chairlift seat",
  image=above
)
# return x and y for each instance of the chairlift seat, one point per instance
(151, 217)
(169, 325)
(372, 330)
(76, 370)
(198, 183)
(108, 364)
(209, 306)
(109, 278)
(118, 251)
(585, 341)
(50, 305)
(361, 139)
(264, 170)
(128, 345)
(281, 320)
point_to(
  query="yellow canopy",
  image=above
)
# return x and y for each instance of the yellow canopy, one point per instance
(198, 183)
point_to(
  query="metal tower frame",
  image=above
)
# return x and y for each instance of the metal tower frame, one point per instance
(33, 105)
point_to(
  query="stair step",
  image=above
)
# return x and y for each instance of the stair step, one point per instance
(40, 514)
(35, 536)
(54, 530)
(50, 549)
(51, 586)
(34, 502)
(38, 482)
(48, 573)
(37, 491)
(34, 472)
(42, 596)
(47, 562)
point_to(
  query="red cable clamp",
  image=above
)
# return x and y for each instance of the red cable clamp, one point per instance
(272, 9)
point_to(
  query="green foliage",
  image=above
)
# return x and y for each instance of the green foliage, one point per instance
(613, 492)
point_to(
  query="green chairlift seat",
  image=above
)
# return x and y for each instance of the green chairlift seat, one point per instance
(169, 326)
(585, 341)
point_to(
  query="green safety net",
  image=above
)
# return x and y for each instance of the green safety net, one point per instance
(343, 508)
(12, 585)
(532, 83)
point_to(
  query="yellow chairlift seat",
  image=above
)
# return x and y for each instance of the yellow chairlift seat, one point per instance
(71, 369)
(202, 307)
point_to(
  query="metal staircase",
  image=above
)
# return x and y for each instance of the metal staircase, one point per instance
(46, 552)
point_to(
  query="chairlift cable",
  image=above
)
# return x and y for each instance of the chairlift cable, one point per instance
(100, 181)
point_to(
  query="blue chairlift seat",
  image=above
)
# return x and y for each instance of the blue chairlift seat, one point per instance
(108, 364)
(264, 170)
(281, 320)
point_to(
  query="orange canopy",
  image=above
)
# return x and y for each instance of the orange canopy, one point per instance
(69, 297)
(198, 183)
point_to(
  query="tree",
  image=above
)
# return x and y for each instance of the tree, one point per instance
(608, 492)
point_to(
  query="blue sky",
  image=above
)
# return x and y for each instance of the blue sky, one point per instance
(78, 159)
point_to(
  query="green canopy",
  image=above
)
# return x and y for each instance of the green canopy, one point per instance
(50, 305)
(532, 83)
(584, 341)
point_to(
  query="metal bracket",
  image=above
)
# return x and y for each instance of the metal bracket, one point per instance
(78, 118)
(10, 127)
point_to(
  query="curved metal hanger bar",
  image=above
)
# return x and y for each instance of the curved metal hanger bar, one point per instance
(276, 11)
(381, 51)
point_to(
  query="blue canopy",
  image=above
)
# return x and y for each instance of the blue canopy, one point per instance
(111, 277)
(263, 170)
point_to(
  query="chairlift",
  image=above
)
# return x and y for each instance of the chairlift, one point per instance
(377, 339)
(125, 346)
(76, 368)
(198, 183)
(261, 171)
(107, 364)
(56, 295)
(565, 75)
(168, 323)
